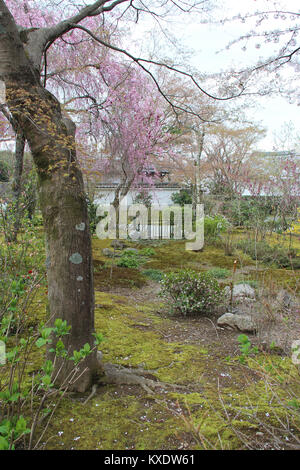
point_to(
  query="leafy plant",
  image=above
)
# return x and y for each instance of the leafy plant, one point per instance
(214, 227)
(4, 172)
(246, 348)
(129, 259)
(92, 213)
(219, 273)
(191, 293)
(147, 252)
(25, 404)
(182, 197)
(11, 430)
(154, 274)
(143, 198)
(262, 251)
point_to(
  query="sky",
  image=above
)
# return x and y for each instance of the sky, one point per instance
(207, 43)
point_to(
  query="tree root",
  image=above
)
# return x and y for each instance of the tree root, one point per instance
(119, 375)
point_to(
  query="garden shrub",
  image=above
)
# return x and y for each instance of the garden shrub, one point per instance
(133, 259)
(20, 264)
(92, 214)
(147, 252)
(143, 198)
(219, 273)
(182, 197)
(154, 274)
(129, 259)
(247, 212)
(37, 397)
(214, 227)
(191, 293)
(276, 254)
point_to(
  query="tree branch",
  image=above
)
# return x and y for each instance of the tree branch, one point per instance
(138, 61)
(50, 34)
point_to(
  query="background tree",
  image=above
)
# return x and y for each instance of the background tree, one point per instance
(228, 155)
(133, 133)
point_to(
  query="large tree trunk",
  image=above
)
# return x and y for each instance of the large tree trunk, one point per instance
(52, 143)
(14, 222)
(198, 192)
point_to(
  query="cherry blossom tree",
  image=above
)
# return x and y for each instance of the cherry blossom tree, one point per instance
(272, 31)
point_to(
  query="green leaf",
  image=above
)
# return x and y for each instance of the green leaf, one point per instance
(40, 342)
(46, 332)
(14, 397)
(4, 444)
(21, 426)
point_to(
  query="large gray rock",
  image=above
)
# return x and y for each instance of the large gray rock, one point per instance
(241, 291)
(239, 322)
(118, 244)
(284, 299)
(108, 252)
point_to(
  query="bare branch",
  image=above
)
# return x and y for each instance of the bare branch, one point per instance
(139, 60)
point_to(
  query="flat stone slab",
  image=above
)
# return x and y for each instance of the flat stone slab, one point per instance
(240, 322)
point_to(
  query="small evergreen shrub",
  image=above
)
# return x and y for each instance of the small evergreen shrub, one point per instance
(276, 254)
(191, 293)
(133, 259)
(214, 227)
(92, 214)
(219, 273)
(182, 197)
(147, 252)
(154, 274)
(129, 259)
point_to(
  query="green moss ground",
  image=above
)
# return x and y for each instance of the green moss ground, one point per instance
(194, 416)
(127, 418)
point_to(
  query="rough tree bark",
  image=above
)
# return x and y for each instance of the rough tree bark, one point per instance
(14, 221)
(13, 231)
(51, 138)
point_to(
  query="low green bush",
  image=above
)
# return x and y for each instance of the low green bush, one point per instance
(154, 274)
(219, 273)
(214, 227)
(129, 259)
(276, 254)
(191, 293)
(182, 197)
(92, 214)
(147, 252)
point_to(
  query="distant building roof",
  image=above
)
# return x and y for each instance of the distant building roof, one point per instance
(282, 153)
